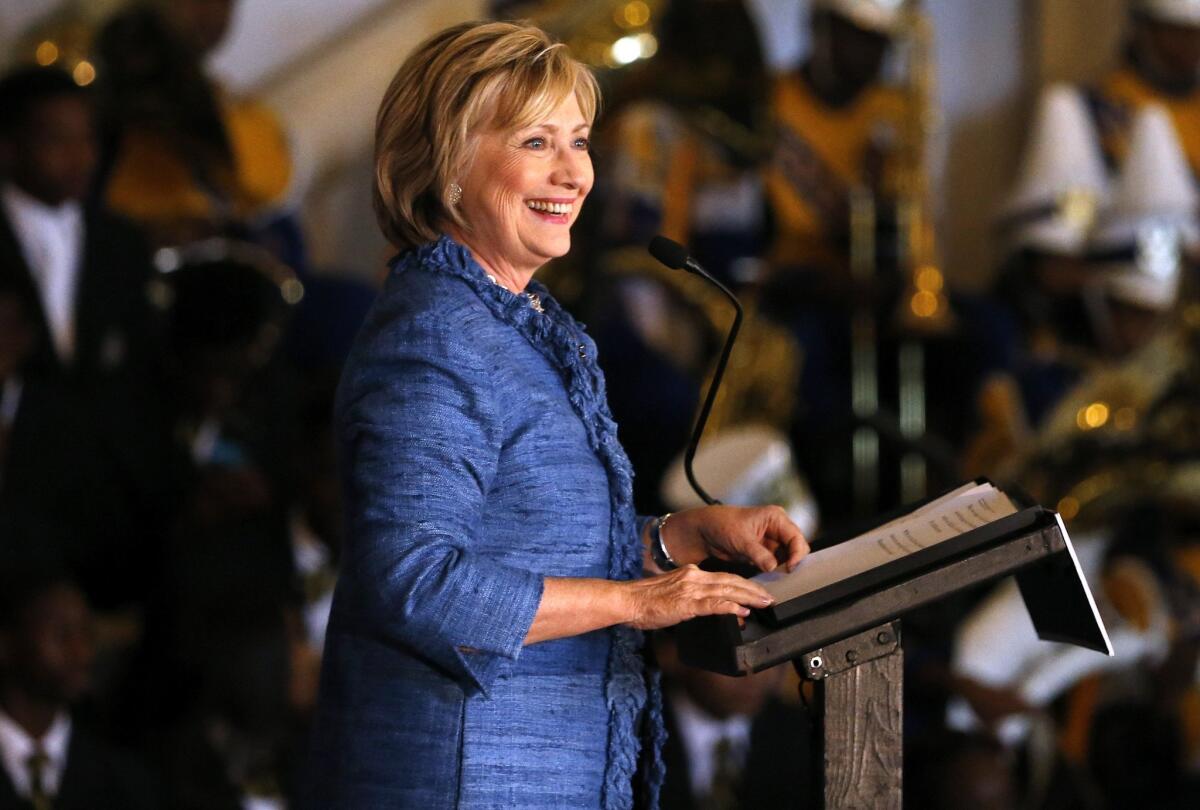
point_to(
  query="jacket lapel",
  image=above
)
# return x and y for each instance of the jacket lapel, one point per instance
(8, 794)
(90, 302)
(14, 271)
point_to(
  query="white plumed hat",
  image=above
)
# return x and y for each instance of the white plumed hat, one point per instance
(1152, 213)
(1062, 180)
(882, 16)
(1179, 12)
(745, 466)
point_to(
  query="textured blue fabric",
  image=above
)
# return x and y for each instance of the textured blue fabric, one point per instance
(478, 457)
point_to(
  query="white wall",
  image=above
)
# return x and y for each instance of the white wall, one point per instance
(981, 55)
(267, 35)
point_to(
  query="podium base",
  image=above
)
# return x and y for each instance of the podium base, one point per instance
(859, 692)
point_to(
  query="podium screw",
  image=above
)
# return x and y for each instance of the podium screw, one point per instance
(816, 662)
(851, 656)
(884, 637)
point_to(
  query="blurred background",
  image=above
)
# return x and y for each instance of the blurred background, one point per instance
(966, 238)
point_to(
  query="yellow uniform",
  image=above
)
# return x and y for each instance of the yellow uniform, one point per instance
(153, 183)
(822, 153)
(1122, 93)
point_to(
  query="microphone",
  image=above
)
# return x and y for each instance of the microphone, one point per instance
(675, 256)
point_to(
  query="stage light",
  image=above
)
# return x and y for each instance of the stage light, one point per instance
(626, 50)
(84, 73)
(47, 53)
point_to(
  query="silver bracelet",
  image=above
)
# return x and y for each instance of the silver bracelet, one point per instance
(658, 549)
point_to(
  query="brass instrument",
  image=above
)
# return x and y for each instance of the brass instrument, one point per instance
(1129, 433)
(864, 371)
(923, 310)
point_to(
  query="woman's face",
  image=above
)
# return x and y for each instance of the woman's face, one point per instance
(524, 190)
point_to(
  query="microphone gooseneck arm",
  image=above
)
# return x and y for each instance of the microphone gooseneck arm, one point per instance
(673, 255)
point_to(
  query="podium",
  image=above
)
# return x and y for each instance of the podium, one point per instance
(848, 641)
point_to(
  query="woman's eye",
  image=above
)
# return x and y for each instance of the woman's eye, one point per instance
(582, 143)
(536, 143)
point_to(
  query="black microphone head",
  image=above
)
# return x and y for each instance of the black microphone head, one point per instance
(669, 252)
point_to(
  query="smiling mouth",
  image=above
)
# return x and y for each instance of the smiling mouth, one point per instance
(551, 208)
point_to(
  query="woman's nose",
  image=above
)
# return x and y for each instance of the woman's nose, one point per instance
(572, 168)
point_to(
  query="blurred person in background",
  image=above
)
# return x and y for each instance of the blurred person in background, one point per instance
(1083, 140)
(81, 276)
(1116, 454)
(50, 457)
(839, 123)
(732, 742)
(849, 136)
(953, 770)
(225, 677)
(1160, 65)
(240, 736)
(1099, 261)
(50, 760)
(87, 269)
(183, 156)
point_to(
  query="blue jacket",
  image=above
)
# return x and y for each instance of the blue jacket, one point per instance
(478, 457)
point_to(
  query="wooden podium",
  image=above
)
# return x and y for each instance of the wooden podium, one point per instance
(849, 645)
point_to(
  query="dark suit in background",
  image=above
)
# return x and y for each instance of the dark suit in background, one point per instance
(777, 774)
(96, 777)
(87, 449)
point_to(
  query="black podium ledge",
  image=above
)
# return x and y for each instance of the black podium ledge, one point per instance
(1038, 553)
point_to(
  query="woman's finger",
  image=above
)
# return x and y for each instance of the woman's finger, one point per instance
(735, 588)
(761, 556)
(716, 607)
(788, 535)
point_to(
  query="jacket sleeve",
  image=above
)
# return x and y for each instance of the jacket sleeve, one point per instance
(420, 440)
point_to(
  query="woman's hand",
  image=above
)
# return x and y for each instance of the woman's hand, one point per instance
(763, 536)
(668, 599)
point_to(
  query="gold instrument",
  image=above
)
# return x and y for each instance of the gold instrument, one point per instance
(923, 310)
(1127, 434)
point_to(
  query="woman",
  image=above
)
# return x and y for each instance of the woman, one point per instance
(484, 646)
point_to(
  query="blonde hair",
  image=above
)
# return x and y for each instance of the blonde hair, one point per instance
(457, 83)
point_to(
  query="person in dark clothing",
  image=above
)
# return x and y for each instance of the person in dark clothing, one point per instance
(86, 270)
(49, 470)
(46, 654)
(83, 277)
(732, 742)
(213, 686)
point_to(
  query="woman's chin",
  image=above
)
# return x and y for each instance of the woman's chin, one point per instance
(553, 248)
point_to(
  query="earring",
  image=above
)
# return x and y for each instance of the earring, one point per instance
(454, 194)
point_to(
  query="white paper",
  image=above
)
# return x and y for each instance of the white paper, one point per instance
(955, 513)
